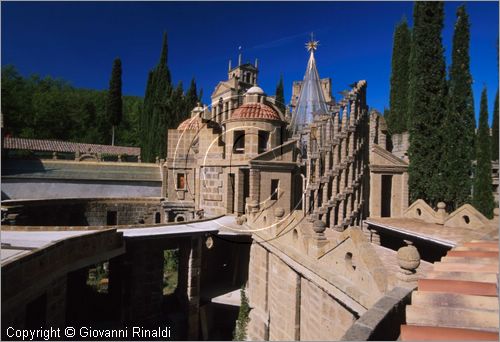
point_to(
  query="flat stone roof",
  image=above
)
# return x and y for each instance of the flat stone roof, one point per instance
(436, 233)
(20, 243)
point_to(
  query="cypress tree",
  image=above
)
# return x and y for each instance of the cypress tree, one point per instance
(427, 105)
(494, 131)
(482, 191)
(398, 114)
(280, 96)
(459, 122)
(114, 104)
(191, 98)
(157, 107)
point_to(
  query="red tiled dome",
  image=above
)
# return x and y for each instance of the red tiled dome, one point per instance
(191, 124)
(255, 111)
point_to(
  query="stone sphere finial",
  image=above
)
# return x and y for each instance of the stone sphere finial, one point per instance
(441, 205)
(279, 212)
(408, 257)
(319, 226)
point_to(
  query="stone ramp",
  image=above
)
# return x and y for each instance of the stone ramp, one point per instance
(458, 300)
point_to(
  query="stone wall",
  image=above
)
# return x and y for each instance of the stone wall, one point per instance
(84, 212)
(37, 179)
(212, 190)
(284, 301)
(287, 306)
(322, 318)
(400, 145)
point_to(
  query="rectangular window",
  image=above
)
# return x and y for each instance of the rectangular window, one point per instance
(263, 140)
(274, 188)
(111, 218)
(181, 184)
(239, 142)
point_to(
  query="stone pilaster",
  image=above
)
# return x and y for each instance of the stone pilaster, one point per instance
(255, 185)
(193, 288)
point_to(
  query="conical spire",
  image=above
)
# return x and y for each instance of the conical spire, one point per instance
(311, 100)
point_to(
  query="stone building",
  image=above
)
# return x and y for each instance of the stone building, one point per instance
(310, 213)
(242, 154)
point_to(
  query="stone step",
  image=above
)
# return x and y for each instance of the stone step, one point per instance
(477, 248)
(471, 261)
(458, 286)
(481, 243)
(473, 254)
(428, 333)
(461, 267)
(482, 277)
(454, 300)
(454, 318)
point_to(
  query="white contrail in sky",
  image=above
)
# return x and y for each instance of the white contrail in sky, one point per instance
(285, 40)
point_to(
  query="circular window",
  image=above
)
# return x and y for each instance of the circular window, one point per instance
(466, 219)
(419, 212)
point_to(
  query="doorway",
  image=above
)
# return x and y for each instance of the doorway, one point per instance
(386, 196)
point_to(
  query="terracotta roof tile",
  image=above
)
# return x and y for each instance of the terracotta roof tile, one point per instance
(66, 146)
(250, 111)
(193, 124)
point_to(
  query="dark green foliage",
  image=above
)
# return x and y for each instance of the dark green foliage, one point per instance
(155, 118)
(240, 331)
(427, 104)
(191, 98)
(114, 104)
(170, 270)
(459, 122)
(47, 108)
(494, 131)
(398, 114)
(165, 107)
(280, 96)
(482, 191)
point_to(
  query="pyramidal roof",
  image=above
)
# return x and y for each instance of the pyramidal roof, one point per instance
(311, 100)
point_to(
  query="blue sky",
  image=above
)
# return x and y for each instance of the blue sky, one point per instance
(78, 41)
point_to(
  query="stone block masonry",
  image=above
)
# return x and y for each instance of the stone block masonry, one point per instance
(287, 306)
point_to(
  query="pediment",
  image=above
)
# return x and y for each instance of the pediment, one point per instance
(221, 88)
(421, 211)
(466, 217)
(382, 157)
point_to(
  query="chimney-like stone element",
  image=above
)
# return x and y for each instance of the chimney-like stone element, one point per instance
(408, 261)
(441, 213)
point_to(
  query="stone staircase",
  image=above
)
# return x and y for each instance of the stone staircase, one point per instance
(458, 300)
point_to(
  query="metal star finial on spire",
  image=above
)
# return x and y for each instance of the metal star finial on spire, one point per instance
(312, 44)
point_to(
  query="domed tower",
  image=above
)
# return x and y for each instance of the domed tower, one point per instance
(253, 128)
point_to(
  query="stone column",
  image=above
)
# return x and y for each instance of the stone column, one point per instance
(230, 109)
(143, 285)
(340, 216)
(344, 119)
(255, 185)
(225, 108)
